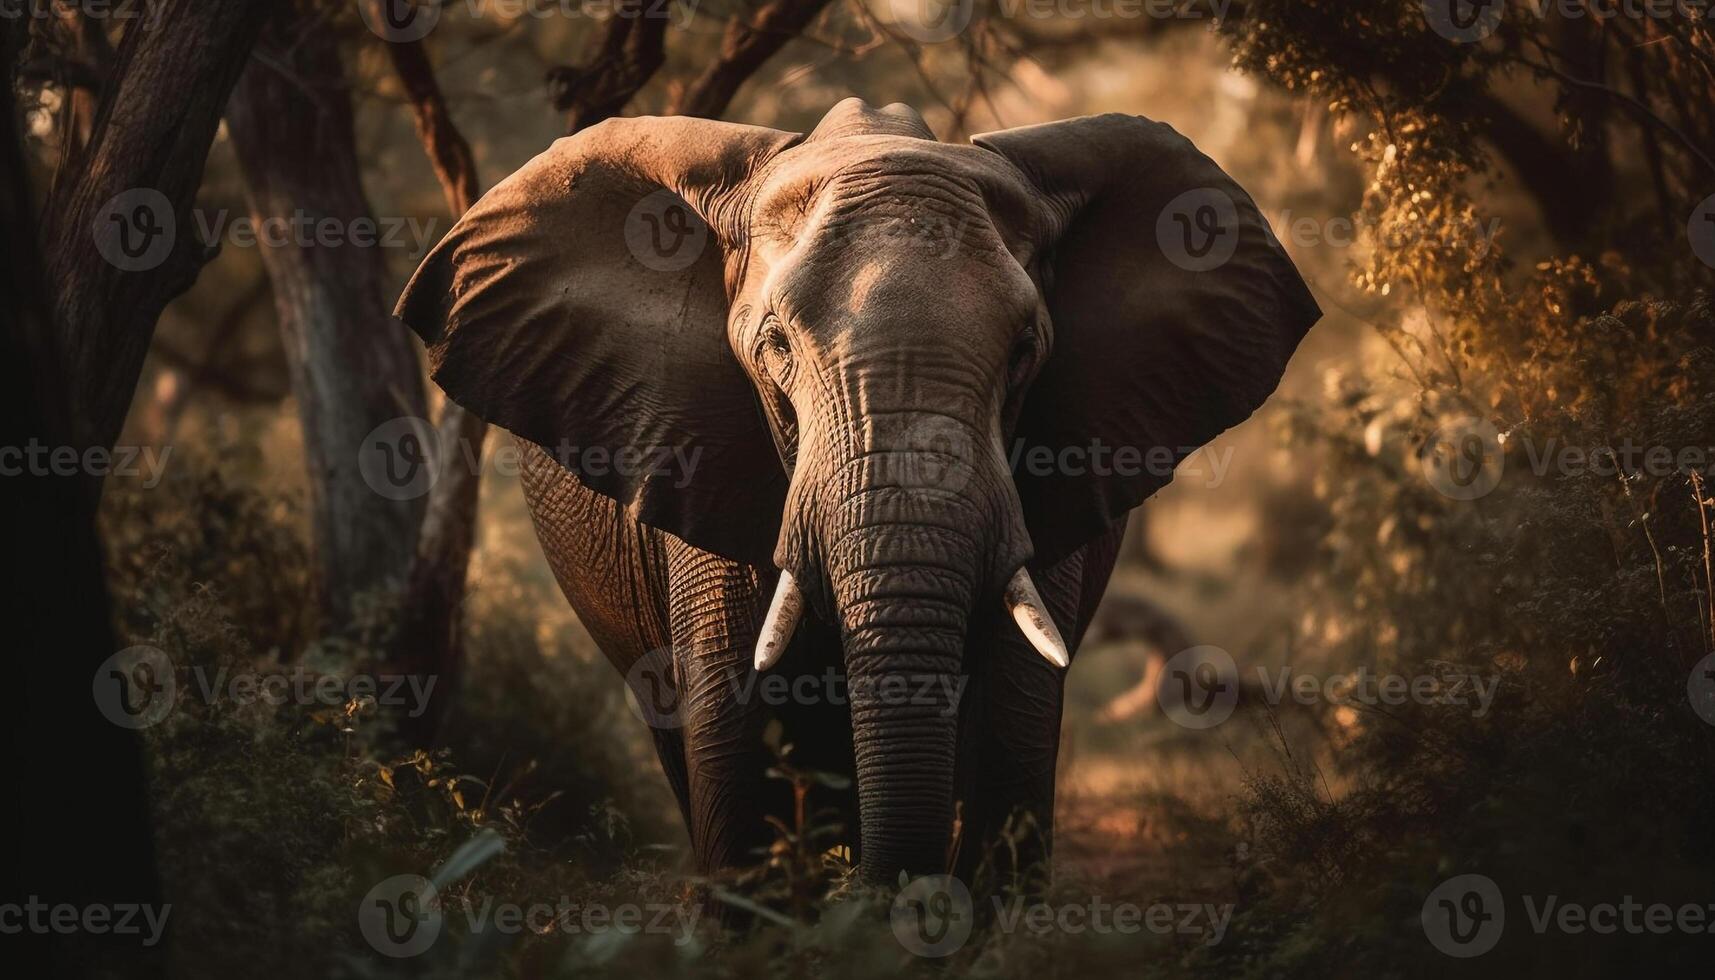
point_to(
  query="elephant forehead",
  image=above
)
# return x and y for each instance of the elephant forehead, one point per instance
(899, 288)
(858, 181)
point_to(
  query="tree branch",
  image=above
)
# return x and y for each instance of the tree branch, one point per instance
(1642, 111)
(448, 151)
(632, 50)
(428, 639)
(745, 47)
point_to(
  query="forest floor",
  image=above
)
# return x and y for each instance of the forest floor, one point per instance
(1150, 812)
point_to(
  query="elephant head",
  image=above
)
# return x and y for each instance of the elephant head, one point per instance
(848, 334)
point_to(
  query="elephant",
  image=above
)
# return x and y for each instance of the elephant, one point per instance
(850, 409)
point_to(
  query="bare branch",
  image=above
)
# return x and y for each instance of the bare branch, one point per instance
(632, 50)
(1631, 103)
(446, 147)
(745, 47)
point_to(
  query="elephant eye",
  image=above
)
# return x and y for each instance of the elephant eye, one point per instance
(776, 351)
(1020, 363)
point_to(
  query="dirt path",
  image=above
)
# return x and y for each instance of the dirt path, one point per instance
(1148, 825)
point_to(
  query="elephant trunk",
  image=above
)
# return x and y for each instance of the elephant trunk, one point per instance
(903, 618)
(906, 562)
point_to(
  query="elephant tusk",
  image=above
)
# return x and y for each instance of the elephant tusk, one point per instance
(782, 619)
(1033, 619)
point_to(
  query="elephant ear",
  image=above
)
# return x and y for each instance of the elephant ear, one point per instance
(582, 305)
(1174, 312)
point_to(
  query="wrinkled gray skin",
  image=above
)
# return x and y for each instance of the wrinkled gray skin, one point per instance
(875, 315)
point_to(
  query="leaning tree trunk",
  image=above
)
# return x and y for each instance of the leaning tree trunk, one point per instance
(149, 142)
(352, 368)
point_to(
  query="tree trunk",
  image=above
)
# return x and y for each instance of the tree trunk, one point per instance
(83, 836)
(150, 140)
(352, 368)
(427, 642)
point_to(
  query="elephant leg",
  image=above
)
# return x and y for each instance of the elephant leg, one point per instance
(613, 572)
(715, 606)
(1011, 734)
